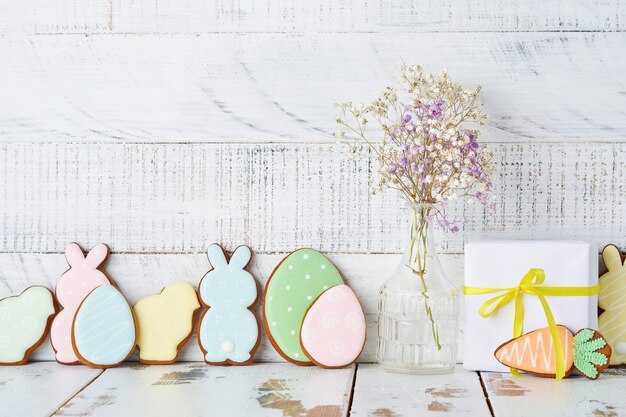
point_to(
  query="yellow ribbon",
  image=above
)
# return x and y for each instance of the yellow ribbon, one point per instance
(531, 285)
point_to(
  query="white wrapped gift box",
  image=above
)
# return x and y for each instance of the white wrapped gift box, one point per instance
(502, 264)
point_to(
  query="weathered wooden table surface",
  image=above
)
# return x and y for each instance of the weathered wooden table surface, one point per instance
(281, 389)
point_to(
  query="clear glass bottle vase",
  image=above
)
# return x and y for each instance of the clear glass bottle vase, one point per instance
(418, 306)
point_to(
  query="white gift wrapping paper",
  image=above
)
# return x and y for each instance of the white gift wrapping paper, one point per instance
(503, 263)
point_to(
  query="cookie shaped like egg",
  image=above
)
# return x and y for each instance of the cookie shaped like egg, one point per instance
(291, 289)
(333, 330)
(104, 328)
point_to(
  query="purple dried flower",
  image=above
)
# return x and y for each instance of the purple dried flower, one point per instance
(428, 150)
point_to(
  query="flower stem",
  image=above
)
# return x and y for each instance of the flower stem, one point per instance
(418, 257)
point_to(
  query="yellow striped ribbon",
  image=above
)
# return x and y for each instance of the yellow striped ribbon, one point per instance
(531, 285)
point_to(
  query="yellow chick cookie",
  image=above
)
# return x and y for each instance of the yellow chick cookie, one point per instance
(612, 299)
(165, 323)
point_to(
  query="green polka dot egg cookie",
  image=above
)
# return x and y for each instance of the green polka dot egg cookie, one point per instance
(291, 289)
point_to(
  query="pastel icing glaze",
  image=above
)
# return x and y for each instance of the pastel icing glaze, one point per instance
(24, 323)
(228, 331)
(165, 322)
(612, 299)
(104, 328)
(333, 330)
(299, 279)
(73, 286)
(592, 354)
(534, 351)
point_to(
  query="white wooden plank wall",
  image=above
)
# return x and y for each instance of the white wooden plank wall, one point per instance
(152, 16)
(159, 127)
(269, 87)
(277, 197)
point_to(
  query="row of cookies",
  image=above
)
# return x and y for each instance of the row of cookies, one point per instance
(310, 315)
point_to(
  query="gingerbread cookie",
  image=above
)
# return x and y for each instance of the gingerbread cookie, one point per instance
(73, 286)
(103, 331)
(612, 299)
(295, 283)
(333, 329)
(228, 332)
(165, 322)
(24, 322)
(533, 352)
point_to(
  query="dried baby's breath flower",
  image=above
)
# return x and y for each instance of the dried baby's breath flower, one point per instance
(428, 150)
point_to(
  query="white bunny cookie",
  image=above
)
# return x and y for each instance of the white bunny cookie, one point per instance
(228, 332)
(612, 299)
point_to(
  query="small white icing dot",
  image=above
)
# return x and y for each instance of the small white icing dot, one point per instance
(296, 354)
(323, 266)
(289, 309)
(305, 256)
(293, 332)
(288, 287)
(271, 298)
(273, 323)
(228, 346)
(325, 287)
(290, 267)
(308, 297)
(307, 276)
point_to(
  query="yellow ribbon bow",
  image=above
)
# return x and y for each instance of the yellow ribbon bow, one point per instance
(531, 285)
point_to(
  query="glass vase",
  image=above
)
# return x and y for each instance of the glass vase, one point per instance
(418, 307)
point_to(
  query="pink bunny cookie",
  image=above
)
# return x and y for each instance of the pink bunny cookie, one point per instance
(73, 287)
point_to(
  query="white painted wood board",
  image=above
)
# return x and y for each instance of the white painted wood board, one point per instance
(61, 16)
(196, 389)
(139, 276)
(278, 197)
(382, 394)
(39, 389)
(574, 396)
(71, 16)
(281, 87)
(363, 15)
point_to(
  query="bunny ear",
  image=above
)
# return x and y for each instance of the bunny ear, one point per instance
(612, 258)
(216, 256)
(241, 257)
(74, 254)
(97, 255)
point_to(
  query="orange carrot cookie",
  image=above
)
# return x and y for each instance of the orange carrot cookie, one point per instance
(533, 352)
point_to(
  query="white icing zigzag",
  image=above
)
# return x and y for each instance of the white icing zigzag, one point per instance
(540, 350)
